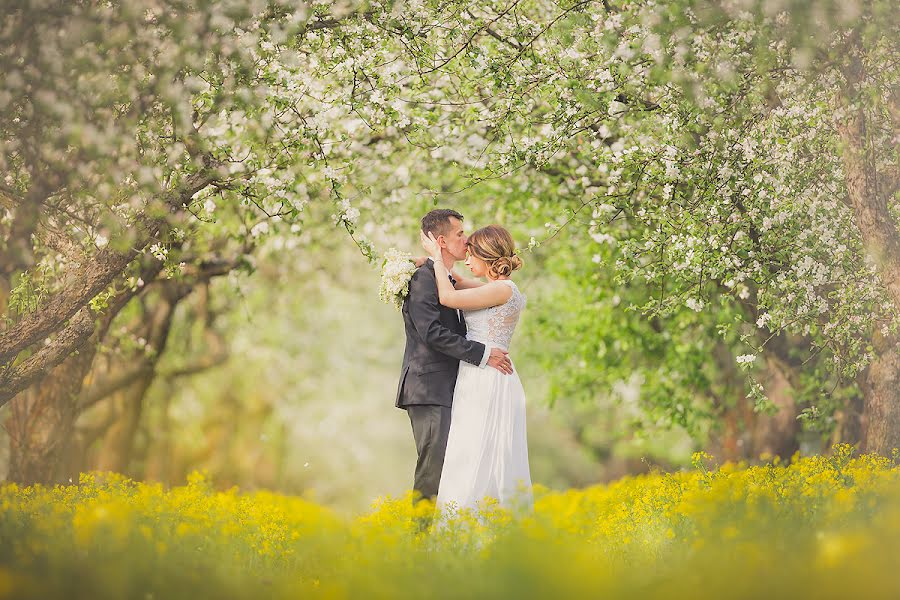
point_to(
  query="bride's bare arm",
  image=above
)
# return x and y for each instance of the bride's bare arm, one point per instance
(484, 296)
(465, 283)
(462, 282)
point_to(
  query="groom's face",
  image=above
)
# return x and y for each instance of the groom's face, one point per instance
(455, 240)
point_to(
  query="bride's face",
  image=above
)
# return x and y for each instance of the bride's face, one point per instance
(478, 267)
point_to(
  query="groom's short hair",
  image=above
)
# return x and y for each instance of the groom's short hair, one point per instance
(438, 221)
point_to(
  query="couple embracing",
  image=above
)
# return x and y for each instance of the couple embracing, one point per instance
(465, 401)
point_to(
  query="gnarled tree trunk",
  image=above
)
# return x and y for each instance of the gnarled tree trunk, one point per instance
(42, 418)
(870, 192)
(882, 402)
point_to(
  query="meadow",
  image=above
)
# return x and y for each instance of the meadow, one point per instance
(817, 527)
(198, 378)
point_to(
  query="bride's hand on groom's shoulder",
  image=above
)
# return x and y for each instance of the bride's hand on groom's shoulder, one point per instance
(419, 260)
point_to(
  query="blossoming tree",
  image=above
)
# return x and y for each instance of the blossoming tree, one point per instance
(735, 155)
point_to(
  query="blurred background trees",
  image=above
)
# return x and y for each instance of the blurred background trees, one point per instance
(705, 195)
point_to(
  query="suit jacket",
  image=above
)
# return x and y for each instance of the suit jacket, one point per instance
(435, 343)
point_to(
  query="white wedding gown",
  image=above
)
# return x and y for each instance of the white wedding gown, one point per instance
(487, 448)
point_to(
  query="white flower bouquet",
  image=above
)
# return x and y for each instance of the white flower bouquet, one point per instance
(396, 271)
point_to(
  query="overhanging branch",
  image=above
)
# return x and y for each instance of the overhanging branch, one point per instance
(84, 284)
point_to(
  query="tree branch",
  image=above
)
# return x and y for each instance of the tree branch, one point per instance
(202, 364)
(85, 283)
(177, 290)
(36, 366)
(14, 379)
(112, 384)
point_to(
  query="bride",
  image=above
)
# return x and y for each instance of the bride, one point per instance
(487, 450)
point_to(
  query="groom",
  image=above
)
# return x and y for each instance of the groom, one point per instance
(435, 343)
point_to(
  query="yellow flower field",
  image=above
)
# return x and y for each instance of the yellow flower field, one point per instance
(820, 527)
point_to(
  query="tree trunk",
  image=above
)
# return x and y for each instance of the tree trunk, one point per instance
(730, 443)
(158, 466)
(78, 452)
(882, 402)
(747, 434)
(119, 443)
(42, 419)
(870, 192)
(778, 434)
(850, 420)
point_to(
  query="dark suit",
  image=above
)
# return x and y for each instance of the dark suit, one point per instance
(435, 343)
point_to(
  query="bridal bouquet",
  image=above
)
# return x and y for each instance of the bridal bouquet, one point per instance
(396, 271)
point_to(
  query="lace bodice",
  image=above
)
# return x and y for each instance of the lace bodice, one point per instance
(495, 325)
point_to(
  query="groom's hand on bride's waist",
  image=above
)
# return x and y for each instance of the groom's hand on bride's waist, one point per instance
(499, 359)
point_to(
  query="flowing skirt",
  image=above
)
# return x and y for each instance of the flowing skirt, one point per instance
(487, 447)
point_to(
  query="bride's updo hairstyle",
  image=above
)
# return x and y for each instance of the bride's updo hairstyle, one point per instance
(495, 246)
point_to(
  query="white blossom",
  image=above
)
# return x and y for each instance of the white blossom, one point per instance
(259, 229)
(396, 272)
(159, 251)
(694, 304)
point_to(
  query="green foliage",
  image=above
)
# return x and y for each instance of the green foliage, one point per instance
(676, 169)
(27, 294)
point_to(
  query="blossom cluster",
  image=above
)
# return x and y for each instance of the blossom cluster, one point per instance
(396, 271)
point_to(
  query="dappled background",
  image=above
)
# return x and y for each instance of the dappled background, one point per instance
(194, 201)
(285, 378)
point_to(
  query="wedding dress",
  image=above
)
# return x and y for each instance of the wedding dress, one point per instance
(487, 450)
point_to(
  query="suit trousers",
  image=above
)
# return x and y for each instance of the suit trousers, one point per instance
(431, 427)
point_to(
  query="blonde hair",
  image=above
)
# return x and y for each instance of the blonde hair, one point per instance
(495, 246)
